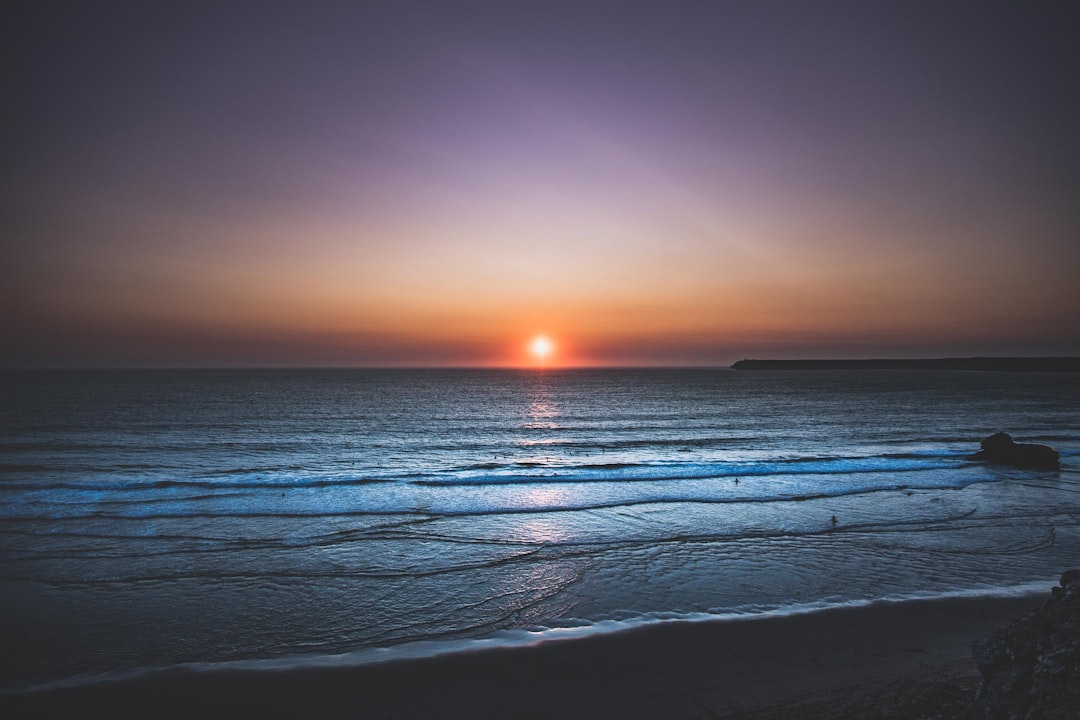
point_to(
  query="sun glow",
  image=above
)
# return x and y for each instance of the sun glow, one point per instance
(540, 346)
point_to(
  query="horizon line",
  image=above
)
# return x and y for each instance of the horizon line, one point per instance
(533, 368)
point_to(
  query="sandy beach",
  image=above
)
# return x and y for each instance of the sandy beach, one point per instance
(909, 659)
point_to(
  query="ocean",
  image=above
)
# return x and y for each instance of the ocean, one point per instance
(155, 518)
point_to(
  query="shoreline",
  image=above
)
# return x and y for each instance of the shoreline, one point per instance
(748, 667)
(510, 639)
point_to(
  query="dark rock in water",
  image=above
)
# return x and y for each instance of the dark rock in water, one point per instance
(1031, 668)
(1000, 448)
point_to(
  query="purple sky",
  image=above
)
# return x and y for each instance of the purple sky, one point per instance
(434, 183)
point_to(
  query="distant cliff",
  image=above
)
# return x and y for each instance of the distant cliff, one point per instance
(1026, 364)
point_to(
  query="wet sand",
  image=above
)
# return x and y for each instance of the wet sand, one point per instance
(887, 660)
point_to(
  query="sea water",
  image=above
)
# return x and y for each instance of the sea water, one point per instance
(153, 518)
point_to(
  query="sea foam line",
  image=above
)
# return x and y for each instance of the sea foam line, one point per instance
(74, 510)
(518, 638)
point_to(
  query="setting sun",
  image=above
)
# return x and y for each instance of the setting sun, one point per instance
(541, 347)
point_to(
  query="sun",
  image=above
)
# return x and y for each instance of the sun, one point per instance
(540, 346)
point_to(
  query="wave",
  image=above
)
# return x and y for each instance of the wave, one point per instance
(1050, 437)
(508, 638)
(523, 550)
(661, 471)
(141, 486)
(16, 468)
(514, 472)
(468, 505)
(635, 443)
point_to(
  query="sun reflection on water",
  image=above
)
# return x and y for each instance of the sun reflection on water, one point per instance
(542, 410)
(540, 530)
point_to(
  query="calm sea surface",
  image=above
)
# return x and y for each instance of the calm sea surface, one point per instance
(149, 518)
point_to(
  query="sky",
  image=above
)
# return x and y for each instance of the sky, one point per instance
(436, 183)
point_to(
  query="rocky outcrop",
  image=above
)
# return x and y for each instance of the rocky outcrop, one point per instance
(1031, 668)
(1000, 448)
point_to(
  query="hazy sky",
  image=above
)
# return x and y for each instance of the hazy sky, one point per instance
(434, 183)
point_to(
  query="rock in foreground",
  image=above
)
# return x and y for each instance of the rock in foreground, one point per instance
(1031, 668)
(1000, 448)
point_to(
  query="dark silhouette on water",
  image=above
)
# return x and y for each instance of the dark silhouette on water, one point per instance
(999, 448)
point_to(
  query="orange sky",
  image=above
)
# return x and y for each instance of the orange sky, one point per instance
(684, 188)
